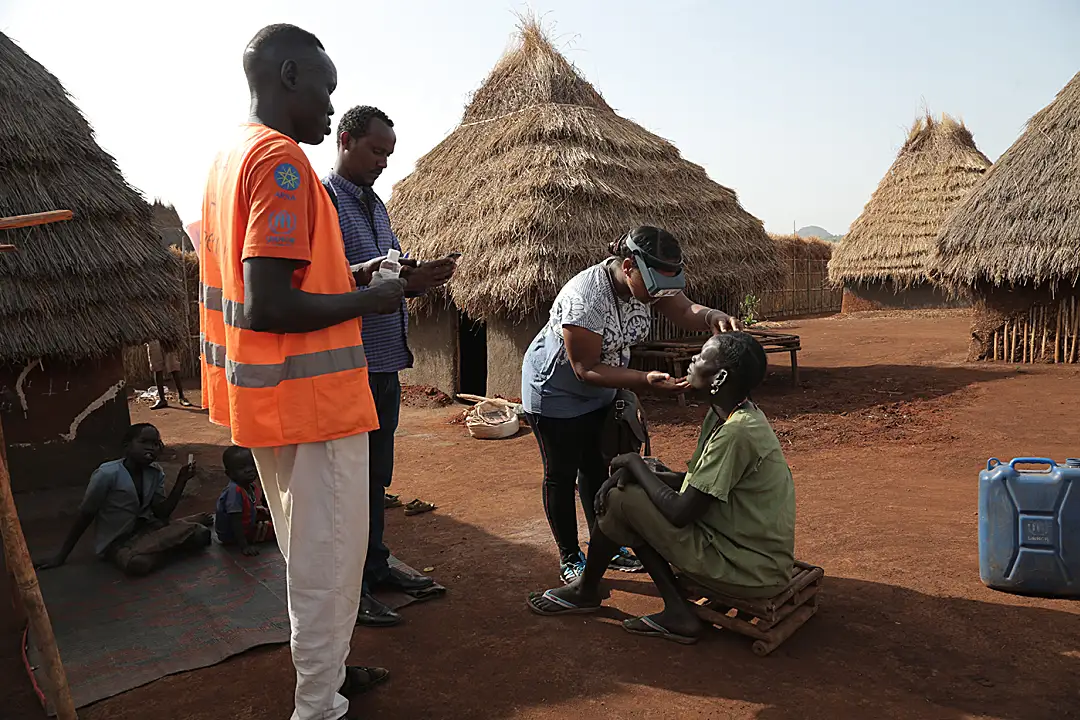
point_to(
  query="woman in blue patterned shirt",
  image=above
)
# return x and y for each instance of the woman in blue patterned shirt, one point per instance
(572, 369)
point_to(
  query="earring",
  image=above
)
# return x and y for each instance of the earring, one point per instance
(719, 380)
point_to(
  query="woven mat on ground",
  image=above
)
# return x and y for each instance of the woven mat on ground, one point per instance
(117, 633)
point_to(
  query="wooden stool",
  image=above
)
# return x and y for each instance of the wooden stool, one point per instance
(769, 621)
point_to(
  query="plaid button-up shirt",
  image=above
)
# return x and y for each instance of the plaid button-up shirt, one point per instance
(367, 235)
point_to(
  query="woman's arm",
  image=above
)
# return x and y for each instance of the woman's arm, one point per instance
(679, 508)
(692, 317)
(583, 348)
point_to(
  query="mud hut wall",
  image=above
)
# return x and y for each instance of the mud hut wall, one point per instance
(433, 339)
(886, 296)
(61, 420)
(507, 342)
(1026, 325)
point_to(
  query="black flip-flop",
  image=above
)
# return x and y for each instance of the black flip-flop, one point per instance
(566, 607)
(360, 679)
(651, 628)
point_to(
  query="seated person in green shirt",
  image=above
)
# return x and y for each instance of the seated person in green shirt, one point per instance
(728, 523)
(126, 502)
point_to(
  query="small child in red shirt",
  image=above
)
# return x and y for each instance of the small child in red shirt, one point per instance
(242, 517)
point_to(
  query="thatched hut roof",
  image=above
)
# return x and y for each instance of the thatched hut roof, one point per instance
(800, 248)
(1021, 226)
(90, 285)
(542, 175)
(894, 237)
(169, 226)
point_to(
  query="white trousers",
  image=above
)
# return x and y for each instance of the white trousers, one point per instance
(318, 498)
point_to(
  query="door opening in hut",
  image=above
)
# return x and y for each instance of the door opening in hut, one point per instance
(472, 356)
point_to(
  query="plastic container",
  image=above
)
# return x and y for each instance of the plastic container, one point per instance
(390, 268)
(1029, 527)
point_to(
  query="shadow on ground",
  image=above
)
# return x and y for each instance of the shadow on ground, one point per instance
(874, 650)
(838, 391)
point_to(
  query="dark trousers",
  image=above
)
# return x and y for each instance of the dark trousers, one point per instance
(386, 389)
(570, 450)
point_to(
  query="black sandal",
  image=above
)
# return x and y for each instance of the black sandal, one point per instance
(360, 679)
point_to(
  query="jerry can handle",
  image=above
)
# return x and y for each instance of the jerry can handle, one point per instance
(1032, 461)
(992, 463)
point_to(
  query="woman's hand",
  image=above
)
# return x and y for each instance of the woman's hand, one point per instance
(718, 322)
(663, 382)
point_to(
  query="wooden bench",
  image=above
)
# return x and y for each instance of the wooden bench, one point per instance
(768, 621)
(675, 355)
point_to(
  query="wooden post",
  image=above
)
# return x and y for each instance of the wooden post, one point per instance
(1076, 331)
(18, 559)
(1058, 350)
(42, 218)
(809, 300)
(16, 554)
(1042, 324)
(993, 342)
(1029, 341)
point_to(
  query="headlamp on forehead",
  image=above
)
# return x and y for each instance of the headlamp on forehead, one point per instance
(662, 278)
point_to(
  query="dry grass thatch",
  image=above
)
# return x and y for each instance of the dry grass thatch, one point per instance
(168, 225)
(88, 286)
(799, 248)
(1021, 226)
(893, 240)
(542, 174)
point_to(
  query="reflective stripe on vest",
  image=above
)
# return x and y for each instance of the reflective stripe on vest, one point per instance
(212, 298)
(295, 367)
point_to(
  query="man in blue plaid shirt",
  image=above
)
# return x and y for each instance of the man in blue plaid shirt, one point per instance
(365, 140)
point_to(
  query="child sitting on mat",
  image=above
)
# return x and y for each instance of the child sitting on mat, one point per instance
(242, 518)
(728, 523)
(126, 502)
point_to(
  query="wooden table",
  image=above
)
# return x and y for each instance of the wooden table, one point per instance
(676, 354)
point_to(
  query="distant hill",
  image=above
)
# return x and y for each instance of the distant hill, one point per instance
(815, 232)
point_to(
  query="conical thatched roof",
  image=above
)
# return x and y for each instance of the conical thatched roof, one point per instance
(894, 237)
(94, 283)
(1021, 226)
(169, 226)
(542, 175)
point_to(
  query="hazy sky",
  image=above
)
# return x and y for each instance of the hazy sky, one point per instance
(799, 106)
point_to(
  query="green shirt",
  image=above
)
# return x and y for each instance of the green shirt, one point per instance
(752, 523)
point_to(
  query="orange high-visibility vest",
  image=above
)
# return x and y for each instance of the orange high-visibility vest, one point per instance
(263, 199)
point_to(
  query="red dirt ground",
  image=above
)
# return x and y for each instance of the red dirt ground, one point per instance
(885, 435)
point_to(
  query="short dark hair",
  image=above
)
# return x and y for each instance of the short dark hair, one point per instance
(742, 356)
(653, 240)
(357, 121)
(133, 432)
(232, 454)
(269, 43)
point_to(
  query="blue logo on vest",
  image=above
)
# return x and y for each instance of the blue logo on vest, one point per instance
(281, 225)
(287, 177)
(282, 222)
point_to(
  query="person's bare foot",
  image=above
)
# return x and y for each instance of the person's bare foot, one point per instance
(680, 622)
(557, 601)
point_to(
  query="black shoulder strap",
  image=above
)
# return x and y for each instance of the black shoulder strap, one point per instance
(331, 192)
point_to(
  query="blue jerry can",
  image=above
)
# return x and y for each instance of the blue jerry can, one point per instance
(1029, 527)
